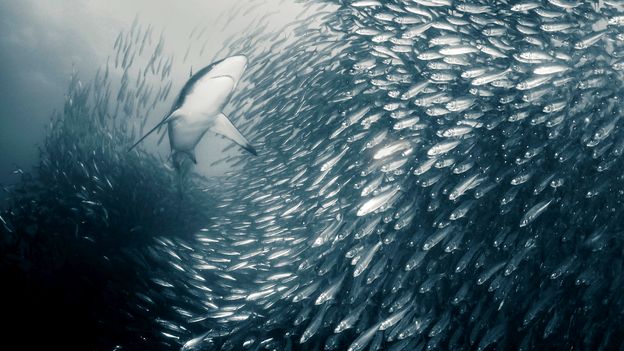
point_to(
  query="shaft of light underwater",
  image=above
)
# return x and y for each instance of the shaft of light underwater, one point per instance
(432, 174)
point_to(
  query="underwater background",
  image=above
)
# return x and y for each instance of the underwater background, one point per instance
(431, 175)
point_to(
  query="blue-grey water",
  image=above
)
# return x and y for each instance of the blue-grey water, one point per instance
(431, 175)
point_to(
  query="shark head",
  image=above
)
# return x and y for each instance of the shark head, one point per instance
(233, 67)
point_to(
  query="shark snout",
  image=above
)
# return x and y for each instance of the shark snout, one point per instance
(233, 66)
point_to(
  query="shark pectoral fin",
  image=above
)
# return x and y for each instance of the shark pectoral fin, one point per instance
(168, 118)
(224, 127)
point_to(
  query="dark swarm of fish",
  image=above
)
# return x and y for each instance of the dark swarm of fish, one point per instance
(81, 230)
(432, 174)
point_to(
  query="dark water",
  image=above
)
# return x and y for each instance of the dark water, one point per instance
(431, 175)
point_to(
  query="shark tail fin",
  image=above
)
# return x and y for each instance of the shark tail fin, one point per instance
(224, 127)
(168, 118)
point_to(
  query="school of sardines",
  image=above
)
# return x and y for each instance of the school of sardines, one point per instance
(432, 175)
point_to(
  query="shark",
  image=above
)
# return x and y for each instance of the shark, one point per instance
(199, 109)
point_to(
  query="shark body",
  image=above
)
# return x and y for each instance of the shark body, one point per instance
(198, 109)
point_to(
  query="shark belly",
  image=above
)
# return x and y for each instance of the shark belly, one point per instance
(184, 135)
